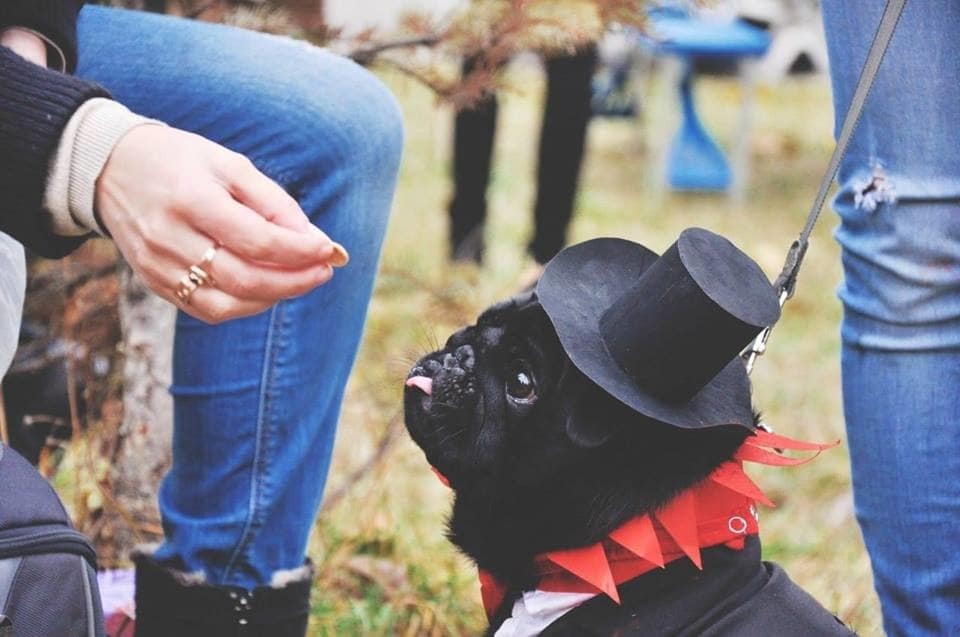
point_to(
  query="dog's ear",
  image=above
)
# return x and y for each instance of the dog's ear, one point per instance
(589, 420)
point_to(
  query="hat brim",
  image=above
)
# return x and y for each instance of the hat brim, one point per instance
(578, 285)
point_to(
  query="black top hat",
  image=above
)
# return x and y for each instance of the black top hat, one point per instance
(662, 334)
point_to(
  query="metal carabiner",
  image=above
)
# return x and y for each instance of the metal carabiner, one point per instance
(759, 344)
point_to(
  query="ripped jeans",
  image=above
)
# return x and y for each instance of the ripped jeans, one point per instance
(899, 206)
(256, 400)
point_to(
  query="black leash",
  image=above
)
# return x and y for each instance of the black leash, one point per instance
(786, 283)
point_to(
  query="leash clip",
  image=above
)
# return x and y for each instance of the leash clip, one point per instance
(759, 344)
(787, 284)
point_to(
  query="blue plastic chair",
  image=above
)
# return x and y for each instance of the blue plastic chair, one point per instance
(695, 161)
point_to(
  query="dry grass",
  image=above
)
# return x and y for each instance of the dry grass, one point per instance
(385, 567)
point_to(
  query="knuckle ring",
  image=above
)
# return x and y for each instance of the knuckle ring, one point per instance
(200, 276)
(197, 276)
(186, 288)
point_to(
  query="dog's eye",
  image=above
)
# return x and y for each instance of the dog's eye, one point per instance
(520, 383)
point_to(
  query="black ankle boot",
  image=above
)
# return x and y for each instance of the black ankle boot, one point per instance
(170, 605)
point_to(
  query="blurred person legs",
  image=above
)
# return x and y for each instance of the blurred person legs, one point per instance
(562, 144)
(256, 400)
(899, 206)
(473, 133)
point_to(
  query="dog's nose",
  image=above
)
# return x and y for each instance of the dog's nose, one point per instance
(461, 358)
(465, 355)
(451, 362)
(448, 378)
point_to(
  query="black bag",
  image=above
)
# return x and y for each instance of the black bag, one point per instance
(48, 579)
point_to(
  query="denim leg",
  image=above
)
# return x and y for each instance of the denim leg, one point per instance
(257, 399)
(899, 206)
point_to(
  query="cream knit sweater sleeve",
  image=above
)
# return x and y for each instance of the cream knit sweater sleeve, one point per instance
(85, 146)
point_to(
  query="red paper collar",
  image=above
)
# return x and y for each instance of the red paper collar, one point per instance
(719, 510)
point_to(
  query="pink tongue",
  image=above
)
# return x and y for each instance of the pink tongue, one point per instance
(422, 383)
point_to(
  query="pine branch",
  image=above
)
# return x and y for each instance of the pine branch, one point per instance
(364, 55)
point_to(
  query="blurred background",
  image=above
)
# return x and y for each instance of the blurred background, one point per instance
(713, 114)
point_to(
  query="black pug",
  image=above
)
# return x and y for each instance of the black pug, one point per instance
(542, 458)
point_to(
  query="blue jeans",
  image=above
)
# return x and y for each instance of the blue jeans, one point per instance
(257, 400)
(899, 205)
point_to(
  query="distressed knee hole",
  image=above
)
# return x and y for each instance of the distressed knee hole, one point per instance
(869, 194)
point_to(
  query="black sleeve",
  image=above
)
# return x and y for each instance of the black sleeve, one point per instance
(35, 106)
(56, 19)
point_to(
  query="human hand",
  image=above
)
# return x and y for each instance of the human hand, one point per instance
(166, 196)
(27, 45)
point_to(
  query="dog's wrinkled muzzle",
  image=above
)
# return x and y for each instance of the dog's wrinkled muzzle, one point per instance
(425, 384)
(440, 402)
(447, 378)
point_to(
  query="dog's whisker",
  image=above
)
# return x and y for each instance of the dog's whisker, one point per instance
(444, 406)
(452, 435)
(409, 356)
(427, 339)
(434, 339)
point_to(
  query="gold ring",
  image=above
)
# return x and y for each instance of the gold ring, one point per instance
(197, 276)
(200, 276)
(186, 288)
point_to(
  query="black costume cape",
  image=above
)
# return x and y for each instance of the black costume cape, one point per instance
(735, 595)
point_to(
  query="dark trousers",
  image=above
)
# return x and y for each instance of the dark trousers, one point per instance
(562, 142)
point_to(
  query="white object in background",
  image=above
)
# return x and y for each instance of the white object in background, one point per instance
(771, 12)
(13, 279)
(789, 43)
(116, 591)
(796, 29)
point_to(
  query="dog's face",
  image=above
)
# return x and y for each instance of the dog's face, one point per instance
(481, 405)
(539, 456)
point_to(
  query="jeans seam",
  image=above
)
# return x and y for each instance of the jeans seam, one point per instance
(252, 522)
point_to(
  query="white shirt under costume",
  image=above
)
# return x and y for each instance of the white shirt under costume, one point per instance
(535, 610)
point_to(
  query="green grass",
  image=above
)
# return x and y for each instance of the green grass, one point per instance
(409, 579)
